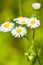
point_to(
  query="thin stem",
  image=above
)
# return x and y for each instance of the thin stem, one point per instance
(33, 63)
(34, 14)
(33, 33)
(39, 60)
(37, 57)
(27, 38)
(20, 9)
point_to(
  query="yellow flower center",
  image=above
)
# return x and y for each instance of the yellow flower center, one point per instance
(23, 22)
(6, 25)
(33, 22)
(20, 17)
(18, 30)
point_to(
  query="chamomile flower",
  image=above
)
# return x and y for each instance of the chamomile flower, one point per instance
(7, 26)
(19, 31)
(21, 20)
(33, 23)
(36, 5)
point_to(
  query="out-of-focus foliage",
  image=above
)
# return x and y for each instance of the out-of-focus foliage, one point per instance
(12, 49)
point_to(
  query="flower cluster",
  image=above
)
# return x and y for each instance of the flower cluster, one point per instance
(20, 31)
(29, 22)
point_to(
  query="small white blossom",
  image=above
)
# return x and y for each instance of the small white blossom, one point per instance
(21, 20)
(33, 23)
(6, 26)
(36, 5)
(19, 31)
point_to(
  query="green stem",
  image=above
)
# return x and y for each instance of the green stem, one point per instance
(27, 38)
(33, 33)
(34, 13)
(20, 9)
(39, 60)
(37, 57)
(34, 61)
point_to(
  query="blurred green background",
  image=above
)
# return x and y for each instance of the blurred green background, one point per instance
(12, 49)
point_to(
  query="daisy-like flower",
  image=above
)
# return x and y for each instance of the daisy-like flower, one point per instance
(21, 20)
(33, 23)
(7, 26)
(36, 5)
(19, 31)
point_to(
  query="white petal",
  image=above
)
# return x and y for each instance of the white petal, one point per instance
(37, 24)
(36, 5)
(21, 34)
(11, 26)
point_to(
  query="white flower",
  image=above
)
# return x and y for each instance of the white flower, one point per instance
(7, 26)
(33, 23)
(19, 31)
(21, 20)
(36, 5)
